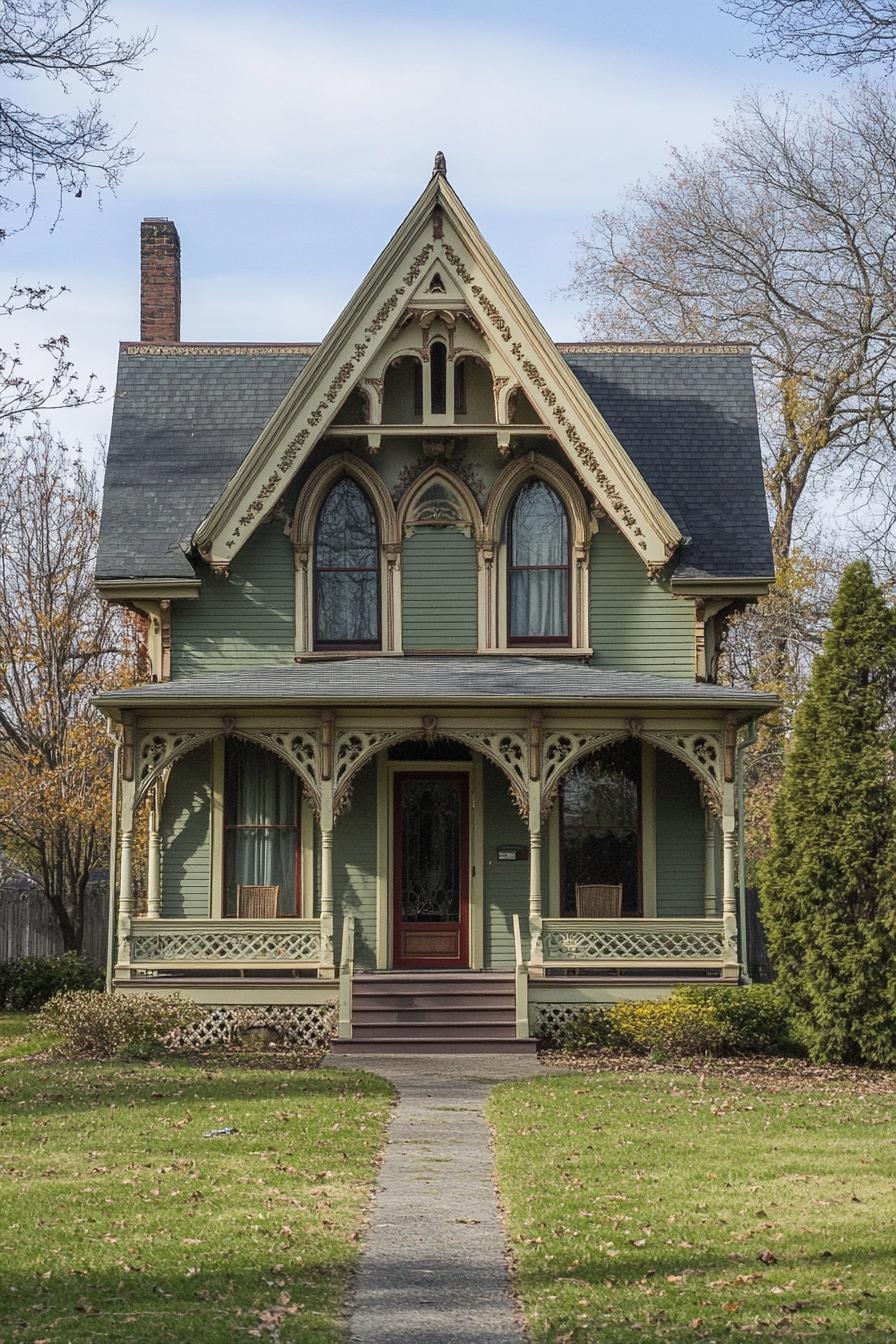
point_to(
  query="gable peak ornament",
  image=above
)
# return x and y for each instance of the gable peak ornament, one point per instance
(440, 167)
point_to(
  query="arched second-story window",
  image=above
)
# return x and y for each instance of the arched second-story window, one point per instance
(346, 570)
(538, 597)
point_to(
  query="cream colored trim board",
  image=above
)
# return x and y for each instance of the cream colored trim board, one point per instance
(306, 836)
(554, 892)
(140, 590)
(477, 865)
(648, 829)
(383, 865)
(216, 900)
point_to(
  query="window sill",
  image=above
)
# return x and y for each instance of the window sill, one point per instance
(334, 655)
(540, 651)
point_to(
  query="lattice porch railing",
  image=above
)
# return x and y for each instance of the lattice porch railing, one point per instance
(634, 942)
(176, 944)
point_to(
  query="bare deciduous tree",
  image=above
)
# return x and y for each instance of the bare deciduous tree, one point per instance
(59, 645)
(781, 233)
(61, 42)
(55, 43)
(839, 35)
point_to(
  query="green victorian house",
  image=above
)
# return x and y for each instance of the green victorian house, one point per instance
(433, 734)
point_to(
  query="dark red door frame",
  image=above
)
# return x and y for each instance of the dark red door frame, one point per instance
(462, 960)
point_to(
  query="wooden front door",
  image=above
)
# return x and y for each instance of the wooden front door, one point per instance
(430, 871)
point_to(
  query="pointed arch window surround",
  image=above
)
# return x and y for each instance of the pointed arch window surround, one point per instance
(346, 570)
(538, 567)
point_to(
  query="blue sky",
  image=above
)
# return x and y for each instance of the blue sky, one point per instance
(287, 141)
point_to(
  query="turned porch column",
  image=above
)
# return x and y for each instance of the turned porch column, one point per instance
(154, 860)
(126, 876)
(731, 967)
(327, 967)
(536, 947)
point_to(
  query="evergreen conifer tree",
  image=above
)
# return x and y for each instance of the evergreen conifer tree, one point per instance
(829, 882)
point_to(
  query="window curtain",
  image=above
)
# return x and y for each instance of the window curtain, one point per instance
(261, 816)
(346, 556)
(539, 565)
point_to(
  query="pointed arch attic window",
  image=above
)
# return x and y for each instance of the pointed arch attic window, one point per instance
(437, 505)
(346, 570)
(436, 285)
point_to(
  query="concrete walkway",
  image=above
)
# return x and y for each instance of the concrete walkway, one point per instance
(433, 1269)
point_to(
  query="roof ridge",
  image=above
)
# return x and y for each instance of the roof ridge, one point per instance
(656, 347)
(175, 348)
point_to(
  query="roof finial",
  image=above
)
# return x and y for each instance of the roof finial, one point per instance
(440, 168)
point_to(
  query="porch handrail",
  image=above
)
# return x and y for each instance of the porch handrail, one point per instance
(346, 974)
(162, 944)
(655, 943)
(521, 983)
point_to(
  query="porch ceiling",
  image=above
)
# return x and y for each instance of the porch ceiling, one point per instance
(438, 681)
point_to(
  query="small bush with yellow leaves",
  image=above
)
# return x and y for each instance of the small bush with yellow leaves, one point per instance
(666, 1027)
(704, 1020)
(93, 1025)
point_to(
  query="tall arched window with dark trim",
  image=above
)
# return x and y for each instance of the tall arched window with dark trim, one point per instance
(537, 567)
(346, 570)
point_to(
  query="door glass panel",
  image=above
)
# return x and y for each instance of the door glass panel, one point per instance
(430, 851)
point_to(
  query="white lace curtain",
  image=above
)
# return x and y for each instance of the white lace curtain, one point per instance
(261, 815)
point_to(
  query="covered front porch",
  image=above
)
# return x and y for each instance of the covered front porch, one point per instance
(426, 815)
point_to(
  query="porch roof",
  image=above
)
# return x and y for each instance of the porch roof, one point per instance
(401, 681)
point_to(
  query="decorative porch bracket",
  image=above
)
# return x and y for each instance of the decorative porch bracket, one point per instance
(701, 752)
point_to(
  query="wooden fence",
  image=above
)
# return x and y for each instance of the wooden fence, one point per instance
(28, 926)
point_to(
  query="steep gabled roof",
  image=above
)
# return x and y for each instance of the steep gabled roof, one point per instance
(185, 416)
(438, 229)
(183, 419)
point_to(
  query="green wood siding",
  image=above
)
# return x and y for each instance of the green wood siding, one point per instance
(354, 868)
(245, 620)
(438, 573)
(186, 837)
(636, 625)
(679, 840)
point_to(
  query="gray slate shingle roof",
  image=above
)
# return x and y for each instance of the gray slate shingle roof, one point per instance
(404, 681)
(688, 421)
(183, 422)
(181, 425)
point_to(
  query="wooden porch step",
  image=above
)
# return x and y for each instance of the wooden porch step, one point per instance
(364, 1014)
(449, 1012)
(435, 1045)
(436, 1003)
(456, 1030)
(432, 984)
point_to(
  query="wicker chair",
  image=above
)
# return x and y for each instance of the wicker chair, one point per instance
(598, 900)
(257, 902)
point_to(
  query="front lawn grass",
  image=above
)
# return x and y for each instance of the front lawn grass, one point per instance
(18, 1036)
(679, 1207)
(120, 1222)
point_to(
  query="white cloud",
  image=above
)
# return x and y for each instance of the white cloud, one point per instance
(304, 105)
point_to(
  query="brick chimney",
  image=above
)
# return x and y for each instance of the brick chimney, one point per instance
(159, 281)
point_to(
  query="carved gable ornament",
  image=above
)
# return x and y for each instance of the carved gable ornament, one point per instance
(439, 272)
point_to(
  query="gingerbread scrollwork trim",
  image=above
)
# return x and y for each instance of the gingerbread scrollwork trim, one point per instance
(159, 750)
